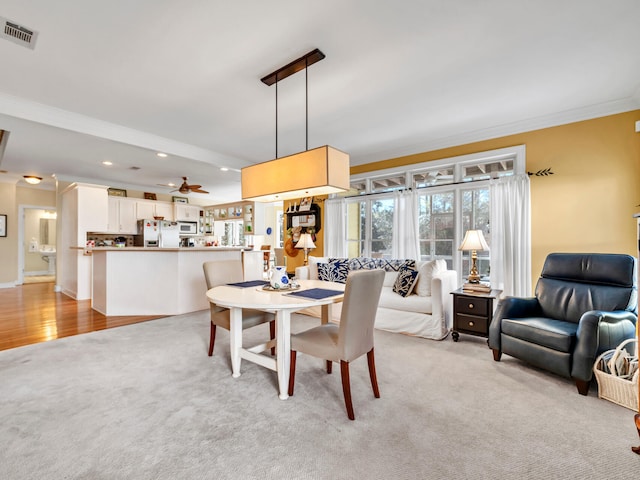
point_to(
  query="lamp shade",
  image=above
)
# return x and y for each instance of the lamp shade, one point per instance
(305, 241)
(473, 240)
(319, 171)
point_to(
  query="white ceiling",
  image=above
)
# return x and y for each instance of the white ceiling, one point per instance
(121, 80)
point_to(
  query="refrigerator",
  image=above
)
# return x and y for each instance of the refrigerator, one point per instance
(158, 233)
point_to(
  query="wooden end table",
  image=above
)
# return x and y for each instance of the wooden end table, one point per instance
(472, 312)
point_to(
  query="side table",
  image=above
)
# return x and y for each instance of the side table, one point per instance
(472, 312)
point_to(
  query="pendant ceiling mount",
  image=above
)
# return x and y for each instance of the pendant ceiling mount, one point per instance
(294, 67)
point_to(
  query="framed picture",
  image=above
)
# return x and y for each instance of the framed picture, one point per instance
(3, 225)
(180, 199)
(117, 192)
(305, 204)
(150, 196)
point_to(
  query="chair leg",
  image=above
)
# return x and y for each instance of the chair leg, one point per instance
(497, 354)
(272, 333)
(637, 420)
(583, 387)
(292, 372)
(346, 388)
(212, 339)
(329, 366)
(372, 373)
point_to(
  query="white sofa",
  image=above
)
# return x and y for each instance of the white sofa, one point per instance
(426, 312)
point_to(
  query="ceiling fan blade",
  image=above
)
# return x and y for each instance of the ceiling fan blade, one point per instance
(198, 190)
(194, 187)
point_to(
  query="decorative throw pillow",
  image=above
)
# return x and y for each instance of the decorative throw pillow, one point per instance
(336, 270)
(393, 265)
(390, 279)
(426, 271)
(362, 263)
(313, 266)
(406, 280)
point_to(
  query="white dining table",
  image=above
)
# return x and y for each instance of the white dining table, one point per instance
(283, 305)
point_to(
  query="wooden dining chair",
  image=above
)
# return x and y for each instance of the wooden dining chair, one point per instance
(351, 339)
(230, 271)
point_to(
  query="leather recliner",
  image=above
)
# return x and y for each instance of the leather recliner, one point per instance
(584, 304)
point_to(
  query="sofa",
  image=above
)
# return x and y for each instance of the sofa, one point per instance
(415, 299)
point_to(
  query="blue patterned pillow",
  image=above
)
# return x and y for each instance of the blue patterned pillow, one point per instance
(334, 271)
(406, 280)
(362, 263)
(394, 265)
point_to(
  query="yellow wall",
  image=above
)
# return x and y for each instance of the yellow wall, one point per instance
(588, 203)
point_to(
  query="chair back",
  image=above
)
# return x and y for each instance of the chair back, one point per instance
(574, 283)
(222, 272)
(279, 254)
(361, 297)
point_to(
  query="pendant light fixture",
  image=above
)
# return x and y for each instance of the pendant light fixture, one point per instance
(314, 172)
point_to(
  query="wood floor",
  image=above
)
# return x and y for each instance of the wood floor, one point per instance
(34, 313)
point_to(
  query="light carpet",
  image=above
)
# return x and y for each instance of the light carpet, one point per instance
(146, 402)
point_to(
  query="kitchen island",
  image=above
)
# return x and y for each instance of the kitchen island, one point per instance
(159, 281)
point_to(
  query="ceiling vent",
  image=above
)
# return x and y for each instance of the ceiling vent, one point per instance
(18, 34)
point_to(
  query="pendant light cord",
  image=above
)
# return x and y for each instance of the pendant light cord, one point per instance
(276, 118)
(306, 102)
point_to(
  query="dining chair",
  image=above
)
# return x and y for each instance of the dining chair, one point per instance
(278, 252)
(230, 271)
(349, 340)
(266, 256)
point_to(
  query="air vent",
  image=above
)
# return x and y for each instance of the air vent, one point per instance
(18, 34)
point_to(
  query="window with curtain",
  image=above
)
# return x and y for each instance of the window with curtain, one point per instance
(451, 196)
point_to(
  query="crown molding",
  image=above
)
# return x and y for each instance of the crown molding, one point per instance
(531, 124)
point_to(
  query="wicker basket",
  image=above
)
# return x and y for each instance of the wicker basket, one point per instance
(613, 388)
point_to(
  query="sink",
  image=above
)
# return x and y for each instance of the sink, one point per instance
(49, 255)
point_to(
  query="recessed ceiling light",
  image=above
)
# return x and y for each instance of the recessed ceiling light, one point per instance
(32, 179)
(107, 163)
(224, 169)
(162, 155)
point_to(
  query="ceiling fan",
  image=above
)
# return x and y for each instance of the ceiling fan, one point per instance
(185, 188)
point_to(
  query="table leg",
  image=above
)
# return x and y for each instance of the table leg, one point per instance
(325, 314)
(235, 337)
(283, 351)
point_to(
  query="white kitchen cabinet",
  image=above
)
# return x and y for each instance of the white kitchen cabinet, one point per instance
(85, 208)
(186, 213)
(150, 208)
(122, 216)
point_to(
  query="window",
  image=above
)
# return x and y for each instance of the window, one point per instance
(452, 197)
(436, 226)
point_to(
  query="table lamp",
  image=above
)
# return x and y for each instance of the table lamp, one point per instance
(306, 242)
(473, 241)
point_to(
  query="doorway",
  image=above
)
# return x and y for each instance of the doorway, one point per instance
(37, 239)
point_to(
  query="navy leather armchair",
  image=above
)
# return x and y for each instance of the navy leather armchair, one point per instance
(584, 304)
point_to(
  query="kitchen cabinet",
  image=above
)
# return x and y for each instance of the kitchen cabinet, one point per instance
(85, 208)
(186, 213)
(250, 213)
(122, 216)
(150, 208)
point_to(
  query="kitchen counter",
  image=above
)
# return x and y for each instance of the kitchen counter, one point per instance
(161, 281)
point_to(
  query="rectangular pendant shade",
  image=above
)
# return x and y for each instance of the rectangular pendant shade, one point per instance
(319, 171)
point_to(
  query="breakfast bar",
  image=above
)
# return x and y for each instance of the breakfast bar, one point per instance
(159, 281)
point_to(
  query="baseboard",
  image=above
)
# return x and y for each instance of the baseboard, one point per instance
(8, 285)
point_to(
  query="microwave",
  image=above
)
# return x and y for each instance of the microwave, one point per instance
(188, 228)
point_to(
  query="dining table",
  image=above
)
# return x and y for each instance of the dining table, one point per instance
(282, 302)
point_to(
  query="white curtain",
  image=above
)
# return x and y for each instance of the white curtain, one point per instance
(405, 225)
(335, 228)
(511, 235)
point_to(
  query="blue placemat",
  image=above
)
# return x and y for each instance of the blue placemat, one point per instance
(316, 293)
(251, 283)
